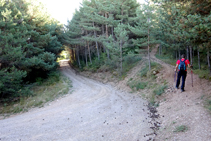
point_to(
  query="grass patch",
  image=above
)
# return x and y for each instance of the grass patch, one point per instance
(145, 73)
(166, 58)
(137, 85)
(160, 90)
(181, 128)
(204, 74)
(42, 92)
(113, 64)
(146, 80)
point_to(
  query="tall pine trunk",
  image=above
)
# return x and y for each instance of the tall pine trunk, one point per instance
(121, 57)
(98, 54)
(106, 16)
(148, 49)
(72, 55)
(104, 48)
(148, 20)
(179, 54)
(198, 58)
(191, 55)
(187, 50)
(90, 59)
(159, 49)
(103, 32)
(112, 31)
(78, 58)
(86, 56)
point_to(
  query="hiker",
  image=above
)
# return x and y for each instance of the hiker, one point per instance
(181, 65)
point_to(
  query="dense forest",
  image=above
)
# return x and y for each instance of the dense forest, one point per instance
(102, 35)
(106, 33)
(29, 45)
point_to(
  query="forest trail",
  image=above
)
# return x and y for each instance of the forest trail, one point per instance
(93, 112)
(186, 108)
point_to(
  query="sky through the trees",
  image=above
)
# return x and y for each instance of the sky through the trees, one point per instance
(63, 10)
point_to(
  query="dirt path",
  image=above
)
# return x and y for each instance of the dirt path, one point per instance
(93, 112)
(185, 108)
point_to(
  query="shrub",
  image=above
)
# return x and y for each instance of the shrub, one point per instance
(137, 85)
(160, 90)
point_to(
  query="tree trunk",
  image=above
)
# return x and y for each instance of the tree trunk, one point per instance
(104, 48)
(106, 16)
(191, 55)
(103, 32)
(179, 54)
(112, 31)
(159, 50)
(187, 49)
(86, 56)
(90, 59)
(72, 55)
(198, 58)
(148, 49)
(121, 57)
(176, 55)
(98, 55)
(78, 58)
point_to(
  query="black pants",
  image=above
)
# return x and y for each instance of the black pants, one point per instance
(182, 74)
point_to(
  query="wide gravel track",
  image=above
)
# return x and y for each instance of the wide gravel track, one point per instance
(92, 112)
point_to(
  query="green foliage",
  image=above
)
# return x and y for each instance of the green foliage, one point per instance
(51, 88)
(181, 128)
(166, 57)
(29, 44)
(160, 90)
(203, 74)
(11, 83)
(137, 85)
(184, 28)
(143, 72)
(100, 27)
(129, 62)
(155, 67)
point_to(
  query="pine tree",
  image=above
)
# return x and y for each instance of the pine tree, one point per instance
(29, 44)
(145, 28)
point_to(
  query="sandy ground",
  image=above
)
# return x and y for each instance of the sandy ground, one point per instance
(93, 112)
(175, 108)
(186, 108)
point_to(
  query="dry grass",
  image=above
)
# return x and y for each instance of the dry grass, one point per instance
(42, 93)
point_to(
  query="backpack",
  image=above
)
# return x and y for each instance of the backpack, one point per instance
(182, 66)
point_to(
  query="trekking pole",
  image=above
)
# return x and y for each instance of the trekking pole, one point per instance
(175, 75)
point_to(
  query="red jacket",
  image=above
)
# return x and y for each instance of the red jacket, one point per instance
(186, 62)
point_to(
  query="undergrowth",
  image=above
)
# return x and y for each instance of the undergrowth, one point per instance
(113, 65)
(146, 80)
(43, 91)
(202, 73)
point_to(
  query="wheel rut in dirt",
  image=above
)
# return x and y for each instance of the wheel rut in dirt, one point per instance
(94, 111)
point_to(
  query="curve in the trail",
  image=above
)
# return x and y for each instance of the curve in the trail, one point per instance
(93, 112)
